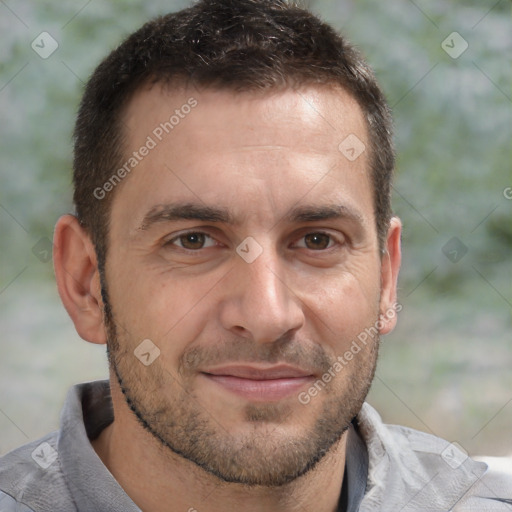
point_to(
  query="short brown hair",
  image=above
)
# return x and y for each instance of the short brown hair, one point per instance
(240, 45)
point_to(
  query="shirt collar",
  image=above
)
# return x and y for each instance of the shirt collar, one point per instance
(87, 410)
(356, 471)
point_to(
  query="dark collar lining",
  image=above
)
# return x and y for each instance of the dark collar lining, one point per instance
(97, 409)
(356, 471)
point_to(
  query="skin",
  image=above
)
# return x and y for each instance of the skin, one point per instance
(315, 286)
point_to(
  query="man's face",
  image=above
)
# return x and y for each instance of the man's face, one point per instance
(243, 245)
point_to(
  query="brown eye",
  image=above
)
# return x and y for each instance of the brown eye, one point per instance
(193, 241)
(317, 241)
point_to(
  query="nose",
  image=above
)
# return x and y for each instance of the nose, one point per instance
(259, 303)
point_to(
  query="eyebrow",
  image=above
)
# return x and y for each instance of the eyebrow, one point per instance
(191, 211)
(186, 211)
(312, 213)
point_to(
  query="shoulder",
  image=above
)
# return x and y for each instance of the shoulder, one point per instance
(31, 477)
(414, 470)
(494, 490)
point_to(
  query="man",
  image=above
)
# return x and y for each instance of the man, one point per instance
(234, 248)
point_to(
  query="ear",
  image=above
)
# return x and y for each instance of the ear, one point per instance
(78, 280)
(390, 266)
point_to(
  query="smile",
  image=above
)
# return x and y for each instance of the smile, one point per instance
(260, 384)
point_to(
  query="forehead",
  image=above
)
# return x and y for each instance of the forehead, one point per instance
(306, 113)
(217, 145)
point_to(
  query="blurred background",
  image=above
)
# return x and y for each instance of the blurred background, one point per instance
(445, 68)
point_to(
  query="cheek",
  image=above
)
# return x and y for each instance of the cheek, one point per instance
(340, 307)
(170, 311)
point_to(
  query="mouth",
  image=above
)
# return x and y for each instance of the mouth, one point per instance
(260, 384)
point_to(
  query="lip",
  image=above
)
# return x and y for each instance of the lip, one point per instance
(260, 384)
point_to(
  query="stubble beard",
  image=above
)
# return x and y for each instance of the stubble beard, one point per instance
(267, 455)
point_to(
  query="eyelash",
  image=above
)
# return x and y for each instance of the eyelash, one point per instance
(171, 242)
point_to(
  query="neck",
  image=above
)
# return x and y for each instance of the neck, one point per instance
(155, 478)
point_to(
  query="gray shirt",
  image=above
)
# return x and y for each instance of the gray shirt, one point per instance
(388, 468)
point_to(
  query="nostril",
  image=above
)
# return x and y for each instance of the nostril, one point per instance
(239, 330)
